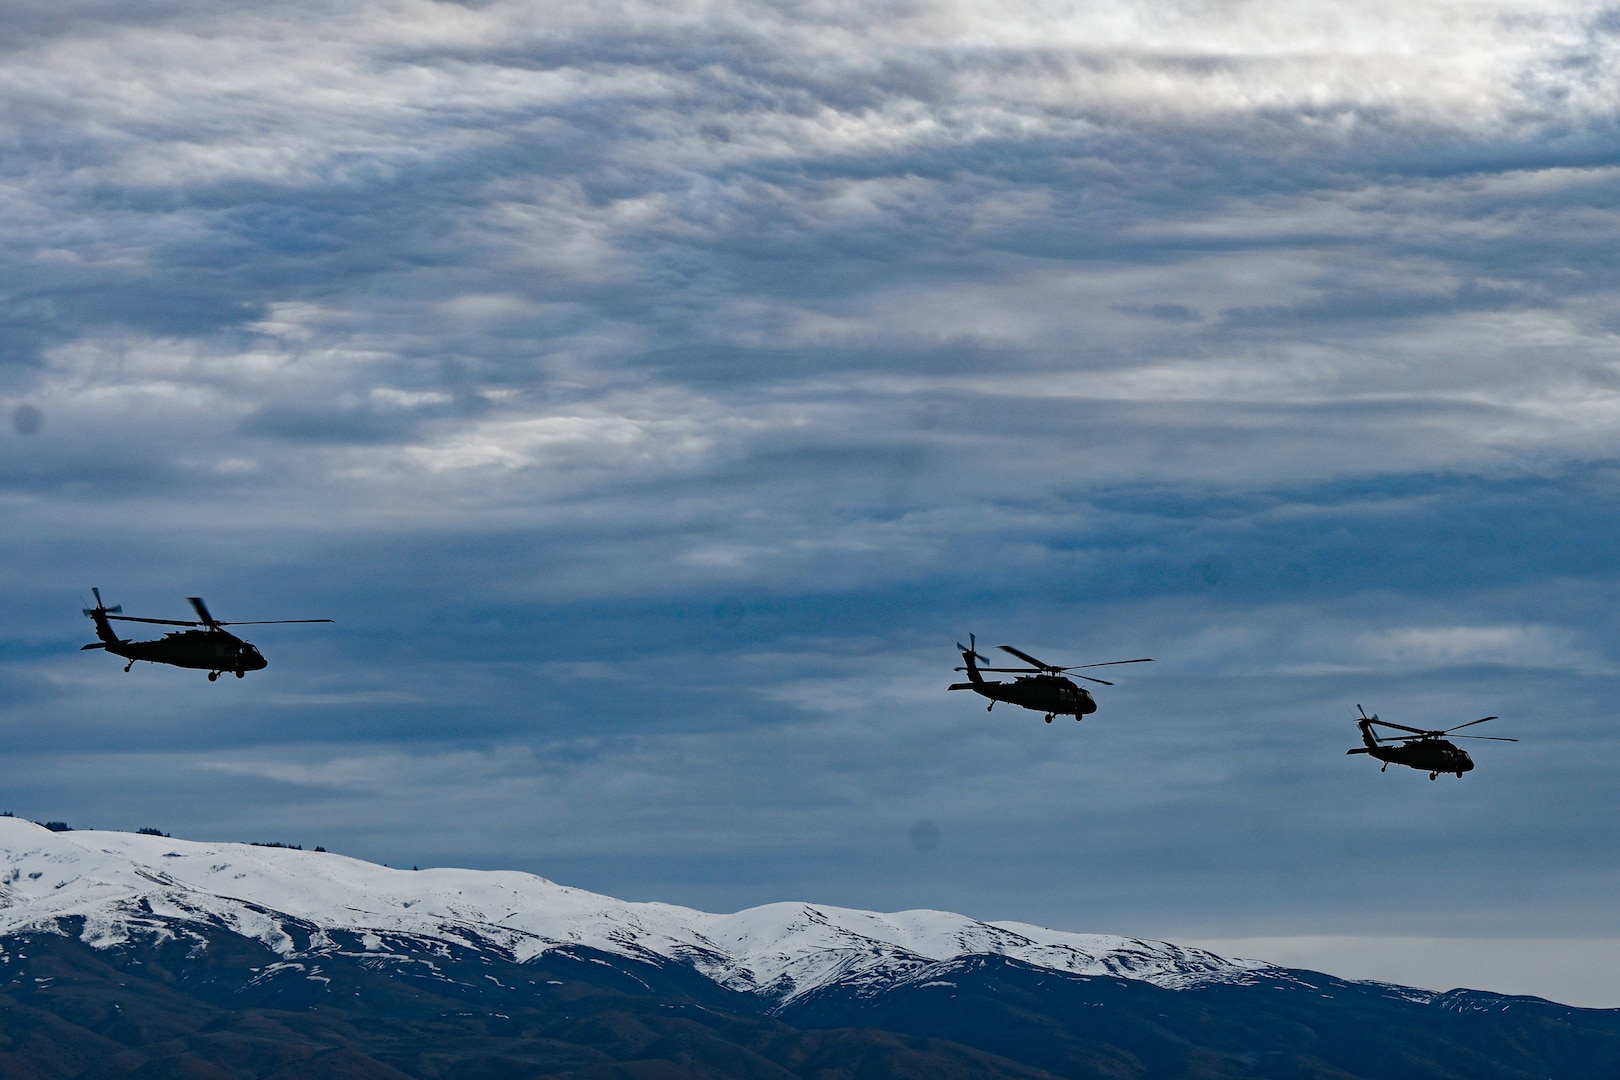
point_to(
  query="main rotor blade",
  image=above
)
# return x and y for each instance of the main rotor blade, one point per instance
(1471, 723)
(1022, 655)
(1017, 670)
(202, 611)
(1088, 678)
(266, 622)
(1403, 727)
(1108, 663)
(1492, 738)
(160, 622)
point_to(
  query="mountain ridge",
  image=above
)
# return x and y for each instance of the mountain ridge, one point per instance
(127, 884)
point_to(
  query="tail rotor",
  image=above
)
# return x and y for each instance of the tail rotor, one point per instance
(101, 608)
(971, 651)
(99, 615)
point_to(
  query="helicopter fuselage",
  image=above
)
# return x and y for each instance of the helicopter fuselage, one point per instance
(205, 650)
(1043, 693)
(1426, 755)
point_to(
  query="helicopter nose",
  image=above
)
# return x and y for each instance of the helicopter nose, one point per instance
(255, 660)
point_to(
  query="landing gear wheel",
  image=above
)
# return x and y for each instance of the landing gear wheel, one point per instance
(213, 676)
(128, 666)
(1433, 775)
(1049, 717)
(240, 673)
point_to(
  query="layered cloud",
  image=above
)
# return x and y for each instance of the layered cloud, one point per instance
(412, 228)
(654, 392)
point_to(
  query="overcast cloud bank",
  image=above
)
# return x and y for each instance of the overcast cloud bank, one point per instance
(653, 392)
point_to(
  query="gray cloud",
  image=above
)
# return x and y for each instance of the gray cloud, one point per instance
(653, 393)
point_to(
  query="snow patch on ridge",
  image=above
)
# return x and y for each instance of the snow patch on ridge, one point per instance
(127, 885)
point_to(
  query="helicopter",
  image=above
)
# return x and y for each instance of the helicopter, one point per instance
(1042, 687)
(1425, 751)
(212, 649)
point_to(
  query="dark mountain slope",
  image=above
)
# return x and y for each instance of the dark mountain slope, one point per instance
(235, 1009)
(1294, 1024)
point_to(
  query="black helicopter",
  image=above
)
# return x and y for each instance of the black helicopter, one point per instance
(212, 649)
(1041, 687)
(1425, 751)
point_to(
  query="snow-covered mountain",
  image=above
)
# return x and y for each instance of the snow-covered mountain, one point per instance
(124, 954)
(129, 886)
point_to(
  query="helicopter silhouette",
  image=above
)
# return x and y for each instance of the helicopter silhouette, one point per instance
(1041, 687)
(1425, 751)
(212, 649)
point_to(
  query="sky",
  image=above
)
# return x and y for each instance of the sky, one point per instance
(654, 392)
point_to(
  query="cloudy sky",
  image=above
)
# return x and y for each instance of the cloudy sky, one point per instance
(653, 392)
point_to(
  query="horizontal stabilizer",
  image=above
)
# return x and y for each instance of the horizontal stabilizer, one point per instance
(960, 686)
(1358, 750)
(92, 645)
